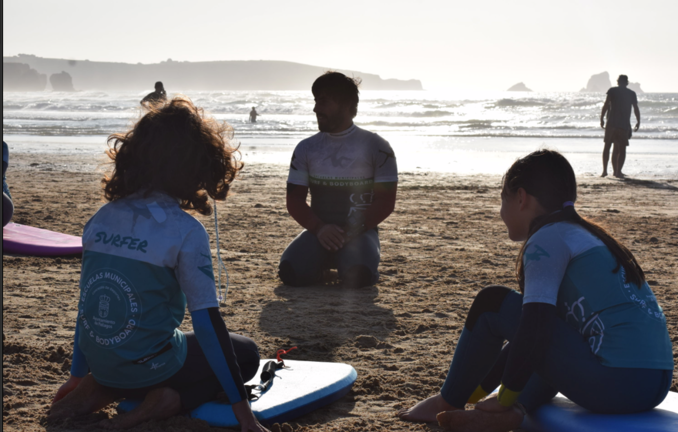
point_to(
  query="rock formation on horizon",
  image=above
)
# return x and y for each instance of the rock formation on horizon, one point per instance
(519, 87)
(21, 77)
(635, 87)
(600, 83)
(61, 82)
(196, 76)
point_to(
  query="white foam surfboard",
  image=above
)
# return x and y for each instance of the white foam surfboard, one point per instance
(299, 388)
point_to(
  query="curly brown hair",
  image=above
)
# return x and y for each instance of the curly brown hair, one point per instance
(174, 149)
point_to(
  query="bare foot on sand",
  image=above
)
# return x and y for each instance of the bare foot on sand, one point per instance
(426, 410)
(87, 398)
(480, 421)
(159, 404)
(604, 174)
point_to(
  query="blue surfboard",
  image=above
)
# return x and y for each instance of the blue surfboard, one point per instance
(562, 415)
(299, 388)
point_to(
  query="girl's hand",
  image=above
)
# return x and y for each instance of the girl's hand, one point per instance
(245, 416)
(66, 388)
(491, 404)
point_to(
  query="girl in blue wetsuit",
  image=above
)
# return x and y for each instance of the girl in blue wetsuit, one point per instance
(145, 260)
(585, 322)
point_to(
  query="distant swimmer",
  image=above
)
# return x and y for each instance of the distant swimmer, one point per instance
(158, 96)
(617, 106)
(253, 115)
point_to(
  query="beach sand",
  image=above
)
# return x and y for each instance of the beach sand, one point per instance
(444, 242)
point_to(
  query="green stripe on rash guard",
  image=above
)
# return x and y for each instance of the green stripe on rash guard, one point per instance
(340, 182)
(507, 397)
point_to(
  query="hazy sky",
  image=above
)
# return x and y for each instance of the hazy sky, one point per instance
(473, 44)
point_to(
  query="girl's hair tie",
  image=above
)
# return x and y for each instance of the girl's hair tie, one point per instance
(568, 204)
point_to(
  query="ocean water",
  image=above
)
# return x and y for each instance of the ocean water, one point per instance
(458, 132)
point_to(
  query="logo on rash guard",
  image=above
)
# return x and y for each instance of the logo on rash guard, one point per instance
(110, 309)
(537, 254)
(592, 328)
(118, 241)
(207, 268)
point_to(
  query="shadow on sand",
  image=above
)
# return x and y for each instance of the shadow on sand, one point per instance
(651, 184)
(320, 319)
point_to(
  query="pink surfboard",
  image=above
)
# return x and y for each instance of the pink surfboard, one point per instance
(26, 240)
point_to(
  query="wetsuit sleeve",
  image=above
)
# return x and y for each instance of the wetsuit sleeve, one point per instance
(299, 208)
(79, 366)
(215, 342)
(527, 350)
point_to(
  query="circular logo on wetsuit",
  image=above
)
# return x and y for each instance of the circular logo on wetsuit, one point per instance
(109, 308)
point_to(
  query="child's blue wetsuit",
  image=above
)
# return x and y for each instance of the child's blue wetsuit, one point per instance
(144, 261)
(7, 204)
(579, 329)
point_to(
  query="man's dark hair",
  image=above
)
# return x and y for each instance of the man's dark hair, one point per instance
(338, 87)
(623, 78)
(158, 85)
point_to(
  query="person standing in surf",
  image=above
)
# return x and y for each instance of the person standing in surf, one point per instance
(617, 106)
(585, 322)
(7, 204)
(159, 96)
(253, 115)
(145, 260)
(352, 177)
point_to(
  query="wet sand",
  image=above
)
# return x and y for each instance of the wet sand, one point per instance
(444, 242)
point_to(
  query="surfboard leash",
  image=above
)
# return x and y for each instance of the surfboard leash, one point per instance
(220, 263)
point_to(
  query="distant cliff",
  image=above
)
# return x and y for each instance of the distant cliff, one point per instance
(20, 77)
(183, 76)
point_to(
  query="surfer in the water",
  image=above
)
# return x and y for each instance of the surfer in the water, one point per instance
(7, 204)
(352, 177)
(159, 96)
(145, 259)
(585, 322)
(253, 115)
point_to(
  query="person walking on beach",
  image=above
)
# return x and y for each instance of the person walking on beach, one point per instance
(617, 106)
(253, 115)
(145, 260)
(157, 97)
(353, 177)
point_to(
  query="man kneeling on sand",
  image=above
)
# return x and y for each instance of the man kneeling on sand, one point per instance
(353, 177)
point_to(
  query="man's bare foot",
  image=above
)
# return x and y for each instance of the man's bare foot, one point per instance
(604, 174)
(480, 421)
(159, 404)
(620, 175)
(426, 410)
(87, 398)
